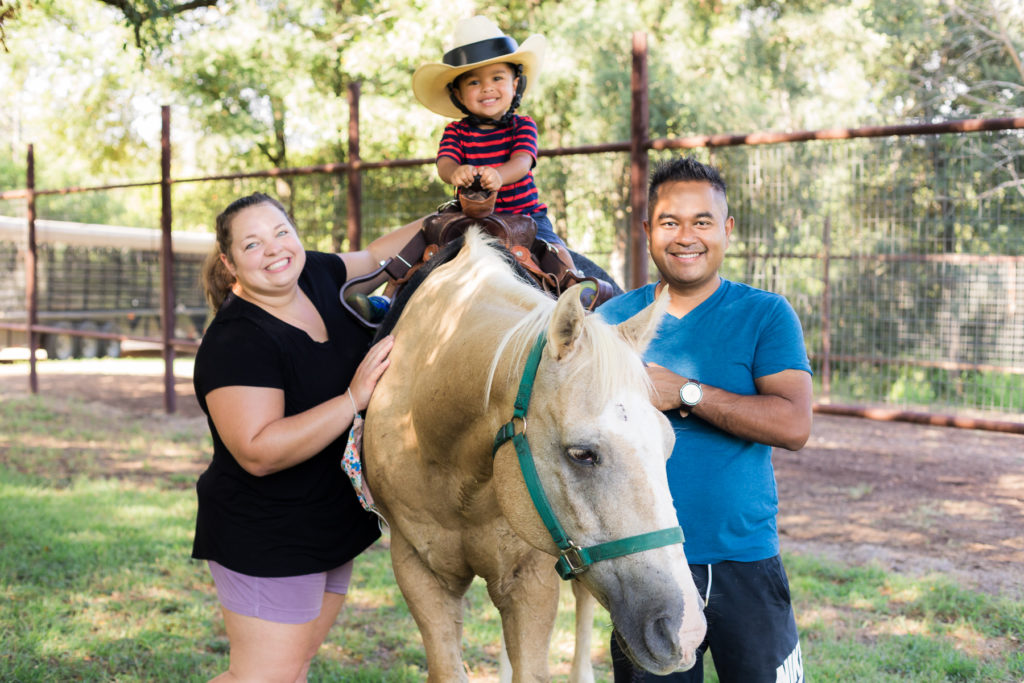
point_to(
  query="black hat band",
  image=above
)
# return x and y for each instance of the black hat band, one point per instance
(480, 51)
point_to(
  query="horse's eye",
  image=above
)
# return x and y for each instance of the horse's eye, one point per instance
(582, 455)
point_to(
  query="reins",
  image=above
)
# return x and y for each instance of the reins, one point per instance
(573, 559)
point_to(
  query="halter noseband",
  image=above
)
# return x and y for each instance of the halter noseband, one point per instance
(573, 559)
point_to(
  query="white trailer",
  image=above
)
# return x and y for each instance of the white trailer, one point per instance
(102, 278)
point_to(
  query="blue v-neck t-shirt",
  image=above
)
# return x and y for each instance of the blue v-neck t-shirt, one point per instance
(723, 486)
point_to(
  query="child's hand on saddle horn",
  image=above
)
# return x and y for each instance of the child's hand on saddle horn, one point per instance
(464, 175)
(490, 179)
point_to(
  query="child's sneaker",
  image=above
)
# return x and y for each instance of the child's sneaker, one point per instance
(372, 308)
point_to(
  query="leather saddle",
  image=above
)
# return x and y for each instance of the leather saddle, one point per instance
(550, 265)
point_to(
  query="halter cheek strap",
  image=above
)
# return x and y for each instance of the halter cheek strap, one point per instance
(573, 559)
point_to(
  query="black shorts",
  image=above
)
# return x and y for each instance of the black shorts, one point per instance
(751, 629)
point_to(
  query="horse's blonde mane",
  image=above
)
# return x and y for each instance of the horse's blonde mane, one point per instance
(490, 269)
(609, 363)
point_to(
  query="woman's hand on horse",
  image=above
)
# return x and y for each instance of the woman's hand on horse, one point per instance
(370, 370)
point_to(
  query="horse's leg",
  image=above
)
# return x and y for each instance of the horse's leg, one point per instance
(504, 666)
(582, 669)
(436, 607)
(527, 598)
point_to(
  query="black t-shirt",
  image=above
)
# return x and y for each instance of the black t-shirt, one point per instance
(306, 518)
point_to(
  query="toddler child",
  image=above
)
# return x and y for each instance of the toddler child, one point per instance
(481, 82)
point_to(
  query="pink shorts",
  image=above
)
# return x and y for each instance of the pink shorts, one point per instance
(284, 599)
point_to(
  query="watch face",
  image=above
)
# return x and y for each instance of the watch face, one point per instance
(690, 393)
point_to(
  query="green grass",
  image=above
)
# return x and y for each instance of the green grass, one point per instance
(861, 623)
(96, 583)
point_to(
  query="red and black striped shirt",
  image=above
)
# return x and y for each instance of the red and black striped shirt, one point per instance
(468, 145)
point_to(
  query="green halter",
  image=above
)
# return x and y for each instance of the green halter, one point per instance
(573, 559)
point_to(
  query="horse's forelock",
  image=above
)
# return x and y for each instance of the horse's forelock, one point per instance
(607, 360)
(608, 363)
(603, 362)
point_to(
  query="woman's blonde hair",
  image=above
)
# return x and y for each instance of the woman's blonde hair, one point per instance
(216, 279)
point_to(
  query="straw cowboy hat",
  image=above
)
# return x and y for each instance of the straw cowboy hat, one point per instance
(478, 42)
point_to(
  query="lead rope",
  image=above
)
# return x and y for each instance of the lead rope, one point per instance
(707, 591)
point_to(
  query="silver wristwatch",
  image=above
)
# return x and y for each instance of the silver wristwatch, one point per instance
(690, 394)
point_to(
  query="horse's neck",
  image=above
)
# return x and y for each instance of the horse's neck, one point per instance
(469, 328)
(484, 336)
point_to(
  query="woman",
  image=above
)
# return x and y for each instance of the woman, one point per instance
(280, 374)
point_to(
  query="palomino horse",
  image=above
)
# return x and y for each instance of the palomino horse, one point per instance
(460, 503)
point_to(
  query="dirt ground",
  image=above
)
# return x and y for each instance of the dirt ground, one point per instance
(913, 499)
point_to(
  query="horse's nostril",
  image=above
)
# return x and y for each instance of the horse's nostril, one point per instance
(660, 638)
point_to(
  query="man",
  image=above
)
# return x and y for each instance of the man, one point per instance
(730, 370)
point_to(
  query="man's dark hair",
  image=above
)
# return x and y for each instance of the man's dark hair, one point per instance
(682, 169)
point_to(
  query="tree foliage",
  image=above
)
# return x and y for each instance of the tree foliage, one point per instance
(6, 14)
(956, 58)
(151, 21)
(145, 17)
(258, 83)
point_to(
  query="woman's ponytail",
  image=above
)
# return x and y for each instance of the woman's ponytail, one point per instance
(216, 279)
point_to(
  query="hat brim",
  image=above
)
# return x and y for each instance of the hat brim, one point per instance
(430, 81)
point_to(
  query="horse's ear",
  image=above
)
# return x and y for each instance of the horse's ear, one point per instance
(567, 322)
(639, 330)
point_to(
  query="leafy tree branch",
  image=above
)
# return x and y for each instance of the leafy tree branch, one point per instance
(6, 13)
(152, 11)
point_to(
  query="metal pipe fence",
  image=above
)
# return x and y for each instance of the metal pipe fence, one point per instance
(900, 247)
(903, 257)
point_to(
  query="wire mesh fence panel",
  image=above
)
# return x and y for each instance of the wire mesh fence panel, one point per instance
(904, 258)
(588, 204)
(395, 196)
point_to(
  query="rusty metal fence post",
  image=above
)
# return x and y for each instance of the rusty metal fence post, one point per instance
(826, 312)
(166, 260)
(355, 176)
(638, 145)
(31, 295)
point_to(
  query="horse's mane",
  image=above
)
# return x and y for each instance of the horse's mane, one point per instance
(604, 363)
(604, 357)
(446, 254)
(608, 364)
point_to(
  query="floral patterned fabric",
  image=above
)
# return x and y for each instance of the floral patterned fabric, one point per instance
(352, 463)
